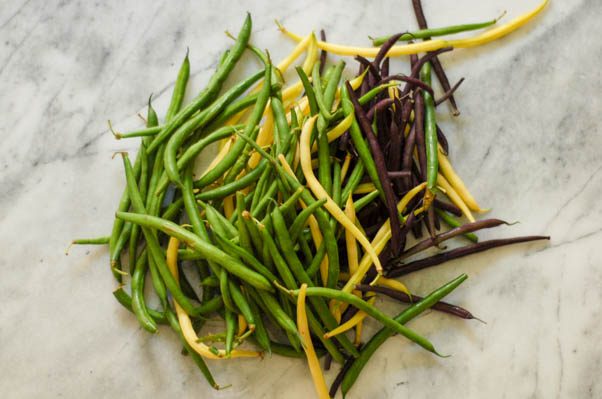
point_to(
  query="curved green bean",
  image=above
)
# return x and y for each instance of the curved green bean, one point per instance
(195, 242)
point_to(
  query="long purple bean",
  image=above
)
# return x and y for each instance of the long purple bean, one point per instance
(381, 167)
(439, 238)
(400, 269)
(405, 298)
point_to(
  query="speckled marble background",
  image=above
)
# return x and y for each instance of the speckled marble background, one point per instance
(527, 143)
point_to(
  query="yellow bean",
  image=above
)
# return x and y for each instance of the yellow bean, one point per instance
(431, 45)
(349, 324)
(186, 324)
(320, 193)
(454, 197)
(308, 347)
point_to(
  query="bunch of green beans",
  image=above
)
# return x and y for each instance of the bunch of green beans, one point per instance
(242, 240)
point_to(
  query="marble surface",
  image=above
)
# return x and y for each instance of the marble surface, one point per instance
(527, 143)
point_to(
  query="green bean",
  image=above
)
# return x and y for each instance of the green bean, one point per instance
(143, 184)
(295, 230)
(146, 132)
(333, 82)
(288, 206)
(305, 249)
(158, 283)
(213, 87)
(255, 237)
(209, 251)
(336, 186)
(209, 281)
(284, 131)
(259, 187)
(314, 266)
(281, 265)
(233, 159)
(154, 179)
(365, 200)
(372, 311)
(243, 234)
(198, 122)
(117, 248)
(354, 180)
(192, 210)
(265, 200)
(377, 340)
(179, 89)
(261, 334)
(153, 244)
(212, 305)
(242, 304)
(225, 228)
(360, 143)
(280, 316)
(432, 32)
(294, 119)
(430, 131)
(323, 108)
(224, 281)
(138, 303)
(91, 241)
(245, 255)
(309, 91)
(126, 301)
(173, 209)
(230, 188)
(230, 318)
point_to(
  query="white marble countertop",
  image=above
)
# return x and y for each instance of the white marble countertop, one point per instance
(527, 143)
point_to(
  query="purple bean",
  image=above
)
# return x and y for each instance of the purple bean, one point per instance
(438, 239)
(403, 297)
(381, 167)
(400, 269)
